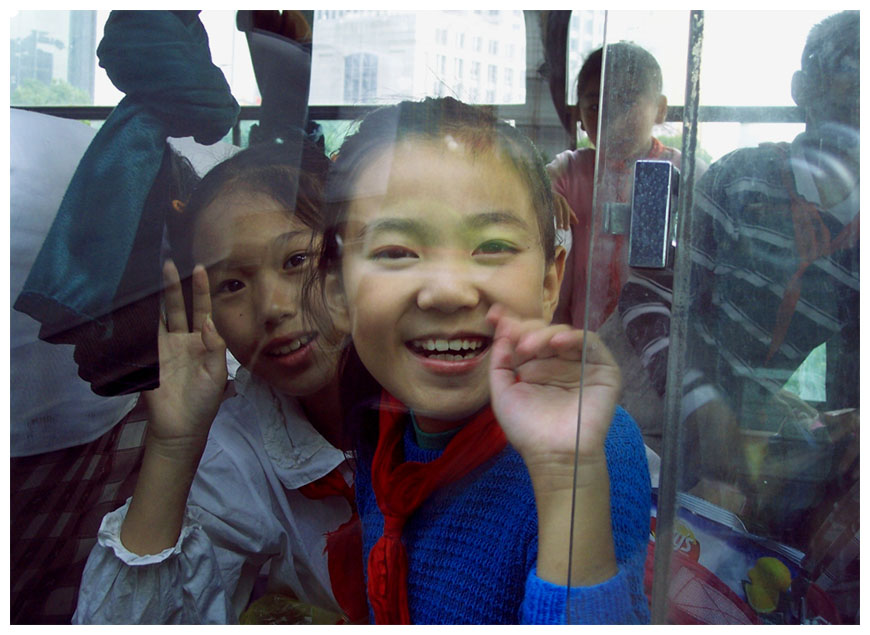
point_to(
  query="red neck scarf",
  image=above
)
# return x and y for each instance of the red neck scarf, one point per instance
(343, 548)
(813, 241)
(401, 486)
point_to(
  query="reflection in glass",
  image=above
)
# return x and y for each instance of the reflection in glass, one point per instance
(767, 464)
(377, 57)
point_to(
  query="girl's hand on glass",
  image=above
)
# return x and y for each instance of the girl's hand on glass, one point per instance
(193, 368)
(536, 390)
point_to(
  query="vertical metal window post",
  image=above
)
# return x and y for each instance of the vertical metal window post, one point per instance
(672, 434)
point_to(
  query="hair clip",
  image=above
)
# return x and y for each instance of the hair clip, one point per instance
(178, 206)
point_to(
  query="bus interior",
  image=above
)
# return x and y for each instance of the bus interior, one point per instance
(749, 419)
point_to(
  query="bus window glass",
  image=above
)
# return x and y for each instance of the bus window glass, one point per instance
(381, 57)
(762, 442)
(53, 59)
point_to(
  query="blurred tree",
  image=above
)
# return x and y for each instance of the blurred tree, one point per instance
(32, 92)
(676, 141)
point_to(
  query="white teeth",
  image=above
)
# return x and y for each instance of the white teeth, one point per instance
(451, 358)
(295, 345)
(443, 345)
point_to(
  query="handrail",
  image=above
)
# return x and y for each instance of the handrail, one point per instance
(706, 114)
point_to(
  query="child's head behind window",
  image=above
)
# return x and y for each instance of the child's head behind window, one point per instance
(633, 85)
(828, 84)
(437, 212)
(252, 222)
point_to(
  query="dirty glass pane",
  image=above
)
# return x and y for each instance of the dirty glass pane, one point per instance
(756, 291)
(757, 299)
(773, 310)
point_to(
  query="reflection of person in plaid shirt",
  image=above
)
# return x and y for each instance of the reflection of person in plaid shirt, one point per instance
(71, 458)
(58, 500)
(774, 275)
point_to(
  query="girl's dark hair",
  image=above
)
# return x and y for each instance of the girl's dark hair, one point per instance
(293, 174)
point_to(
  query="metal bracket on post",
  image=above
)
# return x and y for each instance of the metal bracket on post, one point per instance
(647, 219)
(617, 217)
(654, 198)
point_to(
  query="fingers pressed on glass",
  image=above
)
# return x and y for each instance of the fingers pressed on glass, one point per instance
(173, 300)
(201, 297)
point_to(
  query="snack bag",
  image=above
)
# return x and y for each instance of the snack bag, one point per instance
(722, 574)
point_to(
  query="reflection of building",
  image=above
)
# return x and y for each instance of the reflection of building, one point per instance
(370, 57)
(53, 45)
(82, 38)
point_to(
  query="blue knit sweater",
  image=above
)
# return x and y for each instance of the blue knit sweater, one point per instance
(472, 546)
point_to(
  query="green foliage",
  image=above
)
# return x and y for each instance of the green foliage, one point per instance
(676, 141)
(334, 133)
(584, 142)
(32, 92)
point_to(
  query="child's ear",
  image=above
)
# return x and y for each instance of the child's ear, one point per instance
(799, 88)
(553, 282)
(575, 119)
(662, 112)
(336, 302)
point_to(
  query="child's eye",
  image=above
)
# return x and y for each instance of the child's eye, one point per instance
(296, 260)
(496, 248)
(229, 286)
(392, 252)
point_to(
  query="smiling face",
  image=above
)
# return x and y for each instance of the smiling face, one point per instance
(435, 237)
(256, 254)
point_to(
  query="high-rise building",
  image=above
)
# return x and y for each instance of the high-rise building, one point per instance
(54, 47)
(373, 57)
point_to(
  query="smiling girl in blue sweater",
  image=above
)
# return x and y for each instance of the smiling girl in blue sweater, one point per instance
(440, 261)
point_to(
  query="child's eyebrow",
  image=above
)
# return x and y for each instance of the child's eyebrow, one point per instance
(287, 237)
(420, 230)
(388, 225)
(497, 217)
(240, 259)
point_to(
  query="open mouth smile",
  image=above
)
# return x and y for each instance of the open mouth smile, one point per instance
(290, 346)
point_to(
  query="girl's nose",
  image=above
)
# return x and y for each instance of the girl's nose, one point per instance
(278, 300)
(448, 287)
